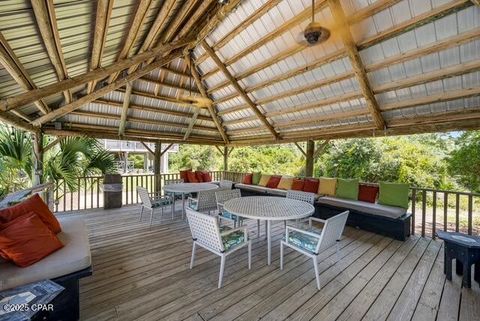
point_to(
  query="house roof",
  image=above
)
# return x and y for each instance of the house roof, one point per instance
(123, 68)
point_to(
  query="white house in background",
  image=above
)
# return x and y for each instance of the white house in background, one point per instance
(122, 148)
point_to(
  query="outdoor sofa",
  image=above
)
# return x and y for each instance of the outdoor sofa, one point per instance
(391, 221)
(66, 266)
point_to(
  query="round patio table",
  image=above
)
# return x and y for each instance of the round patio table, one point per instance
(187, 188)
(269, 208)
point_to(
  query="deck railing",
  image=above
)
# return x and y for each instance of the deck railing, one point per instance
(431, 209)
(87, 192)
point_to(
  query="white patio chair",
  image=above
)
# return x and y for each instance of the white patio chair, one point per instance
(312, 244)
(207, 234)
(300, 196)
(225, 184)
(151, 203)
(223, 196)
(205, 201)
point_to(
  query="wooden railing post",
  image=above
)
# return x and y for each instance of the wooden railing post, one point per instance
(157, 166)
(434, 214)
(414, 198)
(445, 211)
(470, 214)
(424, 211)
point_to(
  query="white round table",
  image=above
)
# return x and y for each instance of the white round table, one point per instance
(187, 188)
(269, 208)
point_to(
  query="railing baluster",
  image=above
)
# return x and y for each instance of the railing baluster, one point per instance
(56, 196)
(64, 196)
(470, 214)
(78, 193)
(445, 211)
(424, 211)
(414, 205)
(85, 193)
(457, 212)
(434, 214)
(98, 192)
(91, 192)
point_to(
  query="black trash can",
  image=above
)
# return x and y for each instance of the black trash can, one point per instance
(112, 191)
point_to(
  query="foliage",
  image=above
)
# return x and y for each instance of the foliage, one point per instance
(464, 161)
(195, 157)
(137, 159)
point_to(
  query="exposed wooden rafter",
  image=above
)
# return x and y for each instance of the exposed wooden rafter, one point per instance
(47, 24)
(102, 20)
(356, 62)
(126, 104)
(14, 67)
(97, 74)
(240, 90)
(105, 90)
(211, 109)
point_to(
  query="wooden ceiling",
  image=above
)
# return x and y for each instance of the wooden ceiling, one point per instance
(121, 69)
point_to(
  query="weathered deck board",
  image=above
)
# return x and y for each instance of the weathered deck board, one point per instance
(142, 273)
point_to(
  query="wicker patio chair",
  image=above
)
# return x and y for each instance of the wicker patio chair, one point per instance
(226, 184)
(312, 244)
(205, 201)
(300, 196)
(206, 233)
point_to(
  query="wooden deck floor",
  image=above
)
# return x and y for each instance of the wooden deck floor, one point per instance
(143, 274)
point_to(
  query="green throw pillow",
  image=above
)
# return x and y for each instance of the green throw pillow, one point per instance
(256, 178)
(347, 188)
(393, 194)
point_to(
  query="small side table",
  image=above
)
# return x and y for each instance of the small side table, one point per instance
(466, 250)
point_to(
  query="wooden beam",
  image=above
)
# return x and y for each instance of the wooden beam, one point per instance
(370, 10)
(418, 21)
(240, 90)
(309, 158)
(211, 109)
(21, 115)
(168, 84)
(102, 20)
(157, 165)
(148, 148)
(53, 144)
(477, 2)
(9, 119)
(225, 158)
(15, 68)
(44, 12)
(357, 64)
(126, 104)
(219, 150)
(241, 27)
(141, 13)
(300, 148)
(97, 74)
(167, 148)
(157, 110)
(37, 155)
(314, 120)
(320, 148)
(195, 17)
(105, 90)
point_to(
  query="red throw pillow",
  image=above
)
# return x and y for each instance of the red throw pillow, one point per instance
(199, 176)
(297, 184)
(184, 175)
(248, 179)
(33, 204)
(273, 181)
(367, 193)
(192, 178)
(207, 177)
(26, 240)
(311, 185)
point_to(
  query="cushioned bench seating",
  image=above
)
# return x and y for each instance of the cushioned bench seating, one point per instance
(65, 267)
(381, 219)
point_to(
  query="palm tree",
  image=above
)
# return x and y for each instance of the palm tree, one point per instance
(73, 157)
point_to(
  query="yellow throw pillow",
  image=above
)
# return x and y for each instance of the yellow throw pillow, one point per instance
(285, 183)
(328, 186)
(264, 180)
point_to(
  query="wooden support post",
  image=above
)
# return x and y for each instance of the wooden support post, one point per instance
(126, 104)
(309, 160)
(225, 158)
(37, 140)
(157, 162)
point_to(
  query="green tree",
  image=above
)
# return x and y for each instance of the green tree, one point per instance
(195, 157)
(464, 160)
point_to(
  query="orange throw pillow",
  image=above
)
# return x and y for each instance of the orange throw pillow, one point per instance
(26, 240)
(297, 184)
(33, 204)
(273, 181)
(311, 185)
(192, 178)
(199, 176)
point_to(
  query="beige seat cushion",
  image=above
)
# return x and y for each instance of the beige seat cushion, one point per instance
(364, 207)
(73, 257)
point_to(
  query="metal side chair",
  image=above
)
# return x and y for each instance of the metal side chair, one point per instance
(300, 196)
(312, 244)
(226, 184)
(205, 201)
(207, 234)
(151, 203)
